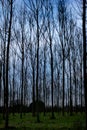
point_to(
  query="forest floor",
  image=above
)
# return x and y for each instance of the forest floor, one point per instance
(67, 122)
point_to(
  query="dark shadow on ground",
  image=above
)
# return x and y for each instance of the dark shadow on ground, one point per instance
(24, 128)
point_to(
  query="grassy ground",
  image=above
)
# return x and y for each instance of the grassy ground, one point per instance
(77, 121)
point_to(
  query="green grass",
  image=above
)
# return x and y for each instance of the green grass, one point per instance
(60, 122)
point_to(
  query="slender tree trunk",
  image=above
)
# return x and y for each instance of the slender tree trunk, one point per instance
(37, 76)
(63, 82)
(81, 87)
(0, 85)
(4, 73)
(13, 84)
(70, 88)
(52, 79)
(84, 50)
(44, 79)
(22, 70)
(7, 64)
(68, 93)
(74, 68)
(33, 112)
(58, 88)
(0, 81)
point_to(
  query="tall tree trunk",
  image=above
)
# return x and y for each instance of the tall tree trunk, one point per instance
(84, 47)
(22, 70)
(75, 82)
(58, 85)
(68, 93)
(44, 79)
(37, 76)
(7, 63)
(13, 83)
(81, 86)
(33, 111)
(63, 82)
(70, 88)
(52, 79)
(0, 89)
(4, 73)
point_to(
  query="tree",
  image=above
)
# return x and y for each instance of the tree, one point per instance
(0, 77)
(70, 83)
(50, 24)
(4, 37)
(20, 38)
(33, 60)
(22, 24)
(57, 70)
(35, 8)
(44, 77)
(70, 40)
(13, 81)
(81, 69)
(37, 76)
(7, 59)
(62, 20)
(85, 55)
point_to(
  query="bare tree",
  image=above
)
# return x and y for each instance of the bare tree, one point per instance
(70, 40)
(33, 60)
(35, 8)
(7, 59)
(22, 69)
(44, 78)
(21, 45)
(4, 37)
(85, 53)
(50, 24)
(13, 81)
(62, 20)
(0, 84)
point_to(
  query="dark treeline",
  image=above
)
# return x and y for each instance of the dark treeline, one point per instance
(41, 57)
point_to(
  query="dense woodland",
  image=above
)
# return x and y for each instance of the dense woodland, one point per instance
(42, 45)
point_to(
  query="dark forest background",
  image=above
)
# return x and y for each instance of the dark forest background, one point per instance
(42, 56)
